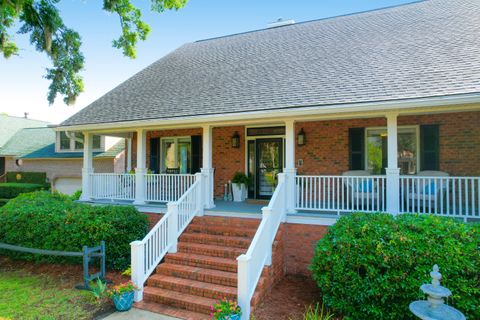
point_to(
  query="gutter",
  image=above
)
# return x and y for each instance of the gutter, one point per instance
(379, 106)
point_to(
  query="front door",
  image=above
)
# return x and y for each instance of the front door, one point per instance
(268, 164)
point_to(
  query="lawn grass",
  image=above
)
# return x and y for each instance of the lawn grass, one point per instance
(28, 296)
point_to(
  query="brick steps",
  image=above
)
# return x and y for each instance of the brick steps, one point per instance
(227, 222)
(221, 230)
(204, 269)
(229, 241)
(171, 311)
(210, 250)
(202, 261)
(198, 274)
(197, 288)
(179, 300)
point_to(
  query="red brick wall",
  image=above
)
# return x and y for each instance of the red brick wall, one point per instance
(227, 160)
(299, 248)
(326, 150)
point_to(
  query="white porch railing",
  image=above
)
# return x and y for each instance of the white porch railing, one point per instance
(112, 186)
(341, 193)
(446, 196)
(167, 187)
(147, 253)
(259, 254)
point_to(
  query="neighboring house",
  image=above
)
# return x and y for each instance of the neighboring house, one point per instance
(377, 111)
(60, 157)
(8, 127)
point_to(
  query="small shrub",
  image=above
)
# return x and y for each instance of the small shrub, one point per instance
(11, 190)
(76, 195)
(27, 177)
(240, 178)
(370, 266)
(224, 308)
(317, 313)
(53, 221)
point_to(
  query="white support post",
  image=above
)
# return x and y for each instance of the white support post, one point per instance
(87, 169)
(141, 169)
(282, 178)
(290, 170)
(129, 154)
(173, 226)
(392, 171)
(138, 268)
(200, 195)
(207, 168)
(266, 215)
(243, 283)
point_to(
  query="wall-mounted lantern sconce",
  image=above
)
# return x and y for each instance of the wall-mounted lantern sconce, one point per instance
(301, 138)
(236, 140)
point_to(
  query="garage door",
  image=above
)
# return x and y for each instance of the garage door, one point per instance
(68, 185)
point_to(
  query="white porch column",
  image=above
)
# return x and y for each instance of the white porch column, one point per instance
(141, 169)
(87, 169)
(207, 166)
(392, 171)
(290, 170)
(129, 154)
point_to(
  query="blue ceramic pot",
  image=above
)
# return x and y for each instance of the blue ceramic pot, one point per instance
(233, 317)
(124, 302)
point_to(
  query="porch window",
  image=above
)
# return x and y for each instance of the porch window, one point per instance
(176, 155)
(376, 150)
(65, 144)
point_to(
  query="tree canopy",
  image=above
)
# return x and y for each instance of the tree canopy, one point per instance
(41, 19)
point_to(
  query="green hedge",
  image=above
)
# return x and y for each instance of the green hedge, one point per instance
(53, 221)
(10, 190)
(27, 177)
(370, 266)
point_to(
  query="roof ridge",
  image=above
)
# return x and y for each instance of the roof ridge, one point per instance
(22, 118)
(314, 20)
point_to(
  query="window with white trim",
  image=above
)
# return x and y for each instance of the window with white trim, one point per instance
(176, 155)
(66, 144)
(407, 153)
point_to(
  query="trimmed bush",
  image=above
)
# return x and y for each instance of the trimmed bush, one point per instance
(371, 266)
(27, 177)
(10, 190)
(53, 221)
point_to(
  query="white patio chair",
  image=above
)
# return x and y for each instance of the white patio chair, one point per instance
(361, 191)
(427, 189)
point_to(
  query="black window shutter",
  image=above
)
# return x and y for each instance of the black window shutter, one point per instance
(429, 147)
(196, 153)
(356, 148)
(155, 155)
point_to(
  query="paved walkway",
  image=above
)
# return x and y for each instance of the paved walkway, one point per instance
(137, 314)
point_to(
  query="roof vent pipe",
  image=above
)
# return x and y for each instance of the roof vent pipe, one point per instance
(280, 22)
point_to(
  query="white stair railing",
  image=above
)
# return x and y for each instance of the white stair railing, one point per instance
(446, 196)
(113, 186)
(259, 254)
(341, 193)
(167, 187)
(149, 252)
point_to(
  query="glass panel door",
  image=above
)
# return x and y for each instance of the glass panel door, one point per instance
(268, 165)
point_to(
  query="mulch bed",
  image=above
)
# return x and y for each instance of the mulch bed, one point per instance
(67, 276)
(289, 299)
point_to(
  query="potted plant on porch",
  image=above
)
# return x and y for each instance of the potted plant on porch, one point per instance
(226, 310)
(122, 295)
(240, 182)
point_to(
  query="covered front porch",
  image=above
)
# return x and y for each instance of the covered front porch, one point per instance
(395, 162)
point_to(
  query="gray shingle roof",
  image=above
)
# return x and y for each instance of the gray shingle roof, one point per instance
(419, 50)
(10, 125)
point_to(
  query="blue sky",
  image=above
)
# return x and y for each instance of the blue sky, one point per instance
(23, 89)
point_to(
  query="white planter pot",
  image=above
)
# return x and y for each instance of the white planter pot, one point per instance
(238, 192)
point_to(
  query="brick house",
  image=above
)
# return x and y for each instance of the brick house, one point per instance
(375, 112)
(41, 149)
